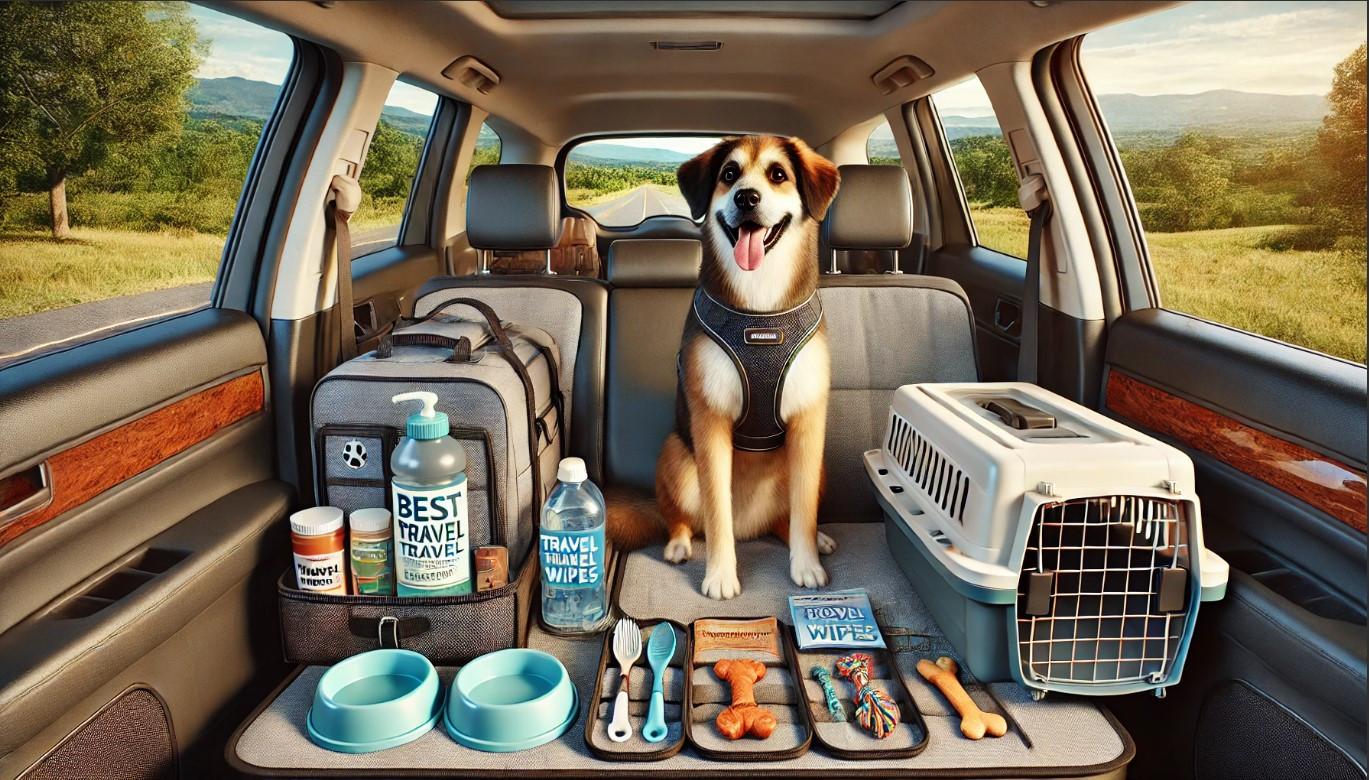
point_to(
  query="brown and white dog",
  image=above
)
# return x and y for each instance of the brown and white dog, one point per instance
(762, 199)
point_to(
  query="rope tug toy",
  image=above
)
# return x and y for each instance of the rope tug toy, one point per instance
(829, 691)
(875, 711)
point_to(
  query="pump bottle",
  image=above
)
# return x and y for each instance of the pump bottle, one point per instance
(431, 525)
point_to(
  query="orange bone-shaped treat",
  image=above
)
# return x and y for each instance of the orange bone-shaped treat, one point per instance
(744, 716)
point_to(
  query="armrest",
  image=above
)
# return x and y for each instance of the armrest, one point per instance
(55, 658)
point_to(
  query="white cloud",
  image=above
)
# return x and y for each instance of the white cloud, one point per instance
(1285, 48)
(413, 98)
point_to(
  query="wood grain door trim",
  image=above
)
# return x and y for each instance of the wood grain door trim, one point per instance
(1327, 484)
(92, 467)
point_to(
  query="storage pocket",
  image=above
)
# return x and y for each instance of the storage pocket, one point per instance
(320, 628)
(779, 692)
(841, 735)
(673, 694)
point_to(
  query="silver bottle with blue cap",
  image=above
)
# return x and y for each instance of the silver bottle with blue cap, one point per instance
(432, 527)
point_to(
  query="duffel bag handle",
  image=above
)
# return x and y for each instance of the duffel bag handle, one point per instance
(459, 345)
(496, 327)
(388, 630)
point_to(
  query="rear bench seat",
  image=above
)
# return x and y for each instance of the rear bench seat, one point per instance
(885, 331)
(518, 207)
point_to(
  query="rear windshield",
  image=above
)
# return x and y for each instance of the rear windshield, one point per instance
(622, 181)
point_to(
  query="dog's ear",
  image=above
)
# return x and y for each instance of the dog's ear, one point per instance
(699, 176)
(818, 177)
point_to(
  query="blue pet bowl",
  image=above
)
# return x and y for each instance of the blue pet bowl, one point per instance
(375, 700)
(511, 700)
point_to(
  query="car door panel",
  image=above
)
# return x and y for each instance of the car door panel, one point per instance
(1277, 436)
(994, 282)
(383, 285)
(163, 527)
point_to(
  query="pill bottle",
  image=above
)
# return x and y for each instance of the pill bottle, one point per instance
(372, 558)
(317, 537)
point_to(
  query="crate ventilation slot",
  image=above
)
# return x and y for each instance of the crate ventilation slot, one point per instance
(929, 468)
(1103, 595)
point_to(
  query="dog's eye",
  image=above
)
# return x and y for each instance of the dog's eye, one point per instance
(729, 174)
(777, 174)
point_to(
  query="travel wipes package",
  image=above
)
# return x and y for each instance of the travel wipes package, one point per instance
(842, 619)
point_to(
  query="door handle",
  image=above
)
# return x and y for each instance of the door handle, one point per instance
(25, 492)
(1007, 317)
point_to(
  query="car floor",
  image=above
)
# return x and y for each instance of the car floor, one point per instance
(1057, 736)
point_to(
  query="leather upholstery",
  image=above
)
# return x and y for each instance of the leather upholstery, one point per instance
(513, 207)
(658, 262)
(873, 209)
(575, 254)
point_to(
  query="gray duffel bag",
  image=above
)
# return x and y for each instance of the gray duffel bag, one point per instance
(499, 384)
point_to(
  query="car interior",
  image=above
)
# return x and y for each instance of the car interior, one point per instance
(146, 478)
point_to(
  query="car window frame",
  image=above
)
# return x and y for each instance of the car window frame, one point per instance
(563, 155)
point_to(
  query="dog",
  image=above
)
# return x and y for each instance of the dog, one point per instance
(745, 458)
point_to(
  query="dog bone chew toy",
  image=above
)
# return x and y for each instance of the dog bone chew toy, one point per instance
(829, 691)
(974, 722)
(875, 711)
(744, 716)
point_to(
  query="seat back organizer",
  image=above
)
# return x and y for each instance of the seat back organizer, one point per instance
(1019, 545)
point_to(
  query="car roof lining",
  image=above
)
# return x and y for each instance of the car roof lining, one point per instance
(591, 74)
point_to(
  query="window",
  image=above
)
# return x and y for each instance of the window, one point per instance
(488, 149)
(1251, 184)
(391, 163)
(880, 148)
(125, 220)
(985, 166)
(622, 181)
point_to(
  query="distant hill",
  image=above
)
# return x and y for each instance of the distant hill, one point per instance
(1152, 118)
(239, 98)
(606, 152)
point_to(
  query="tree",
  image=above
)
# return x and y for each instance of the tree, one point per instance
(1341, 146)
(986, 170)
(80, 81)
(391, 162)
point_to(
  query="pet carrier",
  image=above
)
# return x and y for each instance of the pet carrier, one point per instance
(1054, 546)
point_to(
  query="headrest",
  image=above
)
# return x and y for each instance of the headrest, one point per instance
(873, 209)
(513, 207)
(654, 262)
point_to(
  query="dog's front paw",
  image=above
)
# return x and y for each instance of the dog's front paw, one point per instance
(807, 572)
(721, 583)
(679, 550)
(826, 544)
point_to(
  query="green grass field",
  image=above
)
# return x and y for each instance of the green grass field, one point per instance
(38, 274)
(1310, 298)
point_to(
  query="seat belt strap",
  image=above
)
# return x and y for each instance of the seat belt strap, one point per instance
(346, 198)
(1035, 201)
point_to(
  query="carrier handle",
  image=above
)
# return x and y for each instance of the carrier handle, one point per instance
(460, 345)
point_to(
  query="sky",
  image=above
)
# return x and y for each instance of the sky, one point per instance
(1255, 46)
(241, 48)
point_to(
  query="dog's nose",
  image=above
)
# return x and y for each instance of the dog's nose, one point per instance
(747, 199)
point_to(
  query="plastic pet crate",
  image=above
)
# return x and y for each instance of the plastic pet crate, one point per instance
(1055, 546)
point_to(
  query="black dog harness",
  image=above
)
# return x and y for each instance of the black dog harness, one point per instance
(762, 347)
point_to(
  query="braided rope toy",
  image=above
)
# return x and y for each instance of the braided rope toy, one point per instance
(829, 691)
(875, 711)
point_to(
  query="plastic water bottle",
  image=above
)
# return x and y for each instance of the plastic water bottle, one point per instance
(571, 547)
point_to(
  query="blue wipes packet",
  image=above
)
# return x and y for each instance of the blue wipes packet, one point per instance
(843, 619)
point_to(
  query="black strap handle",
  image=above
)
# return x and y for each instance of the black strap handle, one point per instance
(388, 630)
(501, 336)
(459, 345)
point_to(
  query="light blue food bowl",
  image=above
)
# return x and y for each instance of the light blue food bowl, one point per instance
(375, 700)
(511, 700)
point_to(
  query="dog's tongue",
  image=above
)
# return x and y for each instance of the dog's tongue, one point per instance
(750, 248)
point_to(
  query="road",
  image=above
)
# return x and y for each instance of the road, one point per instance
(636, 205)
(367, 241)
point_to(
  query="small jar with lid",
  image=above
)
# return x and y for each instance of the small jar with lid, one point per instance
(372, 553)
(317, 536)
